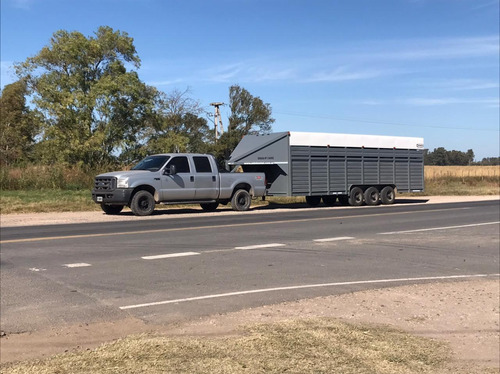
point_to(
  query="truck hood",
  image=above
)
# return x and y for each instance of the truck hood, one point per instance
(126, 173)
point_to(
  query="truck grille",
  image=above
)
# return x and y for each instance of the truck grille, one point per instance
(105, 184)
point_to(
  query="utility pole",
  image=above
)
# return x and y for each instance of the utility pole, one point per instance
(217, 120)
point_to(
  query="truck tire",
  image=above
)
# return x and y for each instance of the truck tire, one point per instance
(356, 196)
(241, 200)
(387, 195)
(313, 200)
(111, 209)
(143, 203)
(329, 200)
(209, 207)
(371, 196)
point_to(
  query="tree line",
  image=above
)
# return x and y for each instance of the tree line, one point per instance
(442, 157)
(87, 106)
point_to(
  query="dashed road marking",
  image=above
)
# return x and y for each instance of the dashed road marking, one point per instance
(333, 239)
(259, 246)
(170, 255)
(77, 265)
(439, 228)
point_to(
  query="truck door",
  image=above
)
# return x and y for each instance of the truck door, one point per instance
(206, 179)
(180, 186)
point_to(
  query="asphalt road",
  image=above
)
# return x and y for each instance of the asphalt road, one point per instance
(177, 268)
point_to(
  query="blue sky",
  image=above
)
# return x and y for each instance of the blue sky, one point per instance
(424, 68)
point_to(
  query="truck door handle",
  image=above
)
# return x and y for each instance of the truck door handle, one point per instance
(213, 178)
(191, 179)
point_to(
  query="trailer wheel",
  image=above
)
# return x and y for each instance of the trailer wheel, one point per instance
(371, 196)
(387, 195)
(209, 207)
(143, 203)
(241, 200)
(111, 209)
(356, 196)
(329, 200)
(313, 200)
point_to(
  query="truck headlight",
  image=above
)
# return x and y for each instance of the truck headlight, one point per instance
(122, 183)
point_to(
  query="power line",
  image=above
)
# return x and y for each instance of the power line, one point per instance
(382, 122)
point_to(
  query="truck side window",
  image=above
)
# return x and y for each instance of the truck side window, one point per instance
(202, 164)
(181, 164)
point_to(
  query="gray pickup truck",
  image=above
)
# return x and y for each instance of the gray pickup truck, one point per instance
(177, 178)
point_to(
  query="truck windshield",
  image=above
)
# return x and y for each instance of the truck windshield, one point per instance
(151, 163)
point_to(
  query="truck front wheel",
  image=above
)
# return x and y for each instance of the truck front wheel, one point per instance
(143, 203)
(111, 209)
(241, 200)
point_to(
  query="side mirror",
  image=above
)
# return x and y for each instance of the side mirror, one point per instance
(171, 170)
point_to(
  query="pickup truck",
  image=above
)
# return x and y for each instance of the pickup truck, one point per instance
(177, 178)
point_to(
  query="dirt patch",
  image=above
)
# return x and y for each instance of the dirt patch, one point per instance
(465, 314)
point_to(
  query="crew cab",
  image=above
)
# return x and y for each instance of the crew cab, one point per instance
(176, 178)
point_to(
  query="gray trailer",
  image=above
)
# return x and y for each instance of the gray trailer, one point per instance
(355, 169)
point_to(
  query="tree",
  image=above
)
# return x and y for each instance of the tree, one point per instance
(92, 104)
(440, 156)
(249, 115)
(18, 124)
(177, 127)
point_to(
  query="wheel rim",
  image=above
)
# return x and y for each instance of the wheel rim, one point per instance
(144, 204)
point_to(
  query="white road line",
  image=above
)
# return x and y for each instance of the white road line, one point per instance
(439, 228)
(239, 293)
(77, 265)
(259, 246)
(333, 239)
(170, 255)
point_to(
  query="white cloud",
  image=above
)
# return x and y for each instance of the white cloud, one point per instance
(450, 101)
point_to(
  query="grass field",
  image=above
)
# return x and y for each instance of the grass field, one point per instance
(304, 346)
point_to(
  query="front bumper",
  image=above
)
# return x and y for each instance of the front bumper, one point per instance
(118, 196)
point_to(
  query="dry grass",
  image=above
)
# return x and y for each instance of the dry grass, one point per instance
(306, 346)
(434, 172)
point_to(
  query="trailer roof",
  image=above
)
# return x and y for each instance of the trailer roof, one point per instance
(354, 140)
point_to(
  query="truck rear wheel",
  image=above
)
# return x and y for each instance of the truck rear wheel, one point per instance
(209, 207)
(356, 196)
(313, 200)
(387, 195)
(111, 209)
(143, 203)
(371, 196)
(241, 200)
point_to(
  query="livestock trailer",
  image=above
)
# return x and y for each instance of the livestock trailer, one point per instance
(356, 169)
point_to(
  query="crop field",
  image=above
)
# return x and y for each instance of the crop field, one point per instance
(434, 172)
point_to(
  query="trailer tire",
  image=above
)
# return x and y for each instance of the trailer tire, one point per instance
(142, 203)
(329, 200)
(356, 196)
(387, 195)
(241, 200)
(371, 196)
(313, 200)
(111, 209)
(209, 207)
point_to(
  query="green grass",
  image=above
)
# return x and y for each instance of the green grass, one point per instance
(30, 201)
(304, 346)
